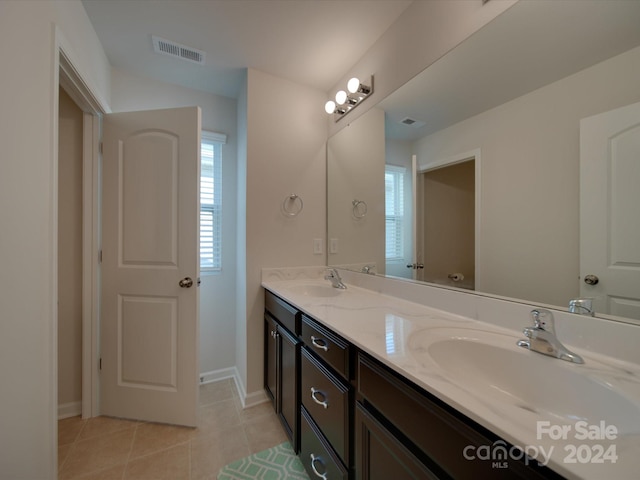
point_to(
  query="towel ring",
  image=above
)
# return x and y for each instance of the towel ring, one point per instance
(359, 208)
(292, 199)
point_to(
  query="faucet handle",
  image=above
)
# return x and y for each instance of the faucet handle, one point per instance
(543, 319)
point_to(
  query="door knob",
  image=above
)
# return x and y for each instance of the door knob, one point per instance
(186, 282)
(591, 279)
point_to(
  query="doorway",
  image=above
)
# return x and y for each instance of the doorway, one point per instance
(446, 224)
(77, 194)
(70, 157)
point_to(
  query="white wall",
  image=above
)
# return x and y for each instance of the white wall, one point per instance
(530, 178)
(217, 313)
(423, 33)
(28, 242)
(241, 235)
(286, 135)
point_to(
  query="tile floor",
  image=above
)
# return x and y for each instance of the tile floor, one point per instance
(104, 448)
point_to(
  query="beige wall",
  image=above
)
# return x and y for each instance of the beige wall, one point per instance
(28, 243)
(286, 135)
(69, 253)
(448, 224)
(530, 180)
(217, 313)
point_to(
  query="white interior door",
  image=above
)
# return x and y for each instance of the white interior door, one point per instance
(149, 322)
(609, 202)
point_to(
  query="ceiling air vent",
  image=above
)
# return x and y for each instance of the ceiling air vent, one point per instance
(408, 121)
(167, 47)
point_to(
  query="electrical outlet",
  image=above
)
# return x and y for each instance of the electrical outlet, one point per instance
(333, 245)
(317, 246)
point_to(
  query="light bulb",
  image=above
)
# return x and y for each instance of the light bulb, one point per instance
(330, 106)
(353, 85)
(341, 97)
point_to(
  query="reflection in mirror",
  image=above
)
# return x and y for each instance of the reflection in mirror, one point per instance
(515, 93)
(355, 198)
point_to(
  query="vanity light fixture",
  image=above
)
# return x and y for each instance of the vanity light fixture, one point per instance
(345, 102)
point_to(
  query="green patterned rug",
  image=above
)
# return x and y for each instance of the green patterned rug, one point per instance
(277, 463)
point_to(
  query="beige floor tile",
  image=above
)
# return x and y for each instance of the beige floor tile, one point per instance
(98, 453)
(111, 473)
(69, 429)
(210, 453)
(63, 453)
(170, 464)
(152, 437)
(104, 425)
(257, 411)
(264, 432)
(104, 448)
(218, 416)
(217, 391)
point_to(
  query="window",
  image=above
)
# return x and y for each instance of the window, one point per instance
(211, 202)
(394, 212)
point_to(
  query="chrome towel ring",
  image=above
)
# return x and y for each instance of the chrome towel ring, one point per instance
(359, 208)
(290, 205)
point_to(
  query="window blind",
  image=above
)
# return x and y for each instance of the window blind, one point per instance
(394, 212)
(211, 202)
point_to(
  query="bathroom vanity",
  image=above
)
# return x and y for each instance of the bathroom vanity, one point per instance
(372, 385)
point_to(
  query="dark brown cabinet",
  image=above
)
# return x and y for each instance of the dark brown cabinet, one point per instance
(282, 364)
(380, 455)
(393, 412)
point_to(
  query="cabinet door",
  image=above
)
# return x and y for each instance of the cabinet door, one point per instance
(289, 389)
(380, 456)
(271, 349)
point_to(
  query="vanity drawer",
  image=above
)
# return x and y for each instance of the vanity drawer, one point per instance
(282, 311)
(326, 398)
(316, 456)
(328, 346)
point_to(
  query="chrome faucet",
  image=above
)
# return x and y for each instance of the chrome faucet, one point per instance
(334, 277)
(581, 306)
(542, 338)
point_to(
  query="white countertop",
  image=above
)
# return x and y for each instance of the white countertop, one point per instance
(399, 333)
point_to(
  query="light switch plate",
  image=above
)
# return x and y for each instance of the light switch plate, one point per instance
(317, 246)
(333, 245)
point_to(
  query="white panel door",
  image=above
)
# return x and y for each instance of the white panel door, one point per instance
(609, 210)
(150, 232)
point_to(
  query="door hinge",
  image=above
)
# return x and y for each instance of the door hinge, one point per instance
(100, 364)
(100, 148)
(99, 256)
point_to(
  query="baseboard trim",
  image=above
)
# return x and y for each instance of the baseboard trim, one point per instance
(255, 398)
(71, 409)
(217, 375)
(247, 400)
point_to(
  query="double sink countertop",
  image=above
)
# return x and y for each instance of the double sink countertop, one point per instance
(582, 421)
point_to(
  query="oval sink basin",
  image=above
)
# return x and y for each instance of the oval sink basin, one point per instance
(315, 290)
(492, 365)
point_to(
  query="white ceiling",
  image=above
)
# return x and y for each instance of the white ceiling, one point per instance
(310, 42)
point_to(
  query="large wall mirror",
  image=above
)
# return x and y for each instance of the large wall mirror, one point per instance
(503, 168)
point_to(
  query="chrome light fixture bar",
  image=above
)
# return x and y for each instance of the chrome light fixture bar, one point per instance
(347, 101)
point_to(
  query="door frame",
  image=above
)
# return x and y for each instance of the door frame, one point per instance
(80, 89)
(476, 155)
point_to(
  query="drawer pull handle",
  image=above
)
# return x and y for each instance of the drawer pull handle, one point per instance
(315, 459)
(320, 343)
(315, 399)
